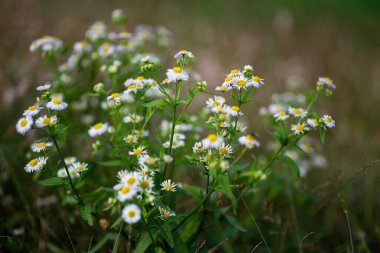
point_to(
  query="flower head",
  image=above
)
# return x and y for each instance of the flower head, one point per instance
(36, 164)
(169, 186)
(131, 214)
(299, 128)
(249, 141)
(98, 129)
(177, 74)
(24, 124)
(212, 141)
(40, 146)
(328, 121)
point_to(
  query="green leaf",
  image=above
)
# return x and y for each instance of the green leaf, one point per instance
(145, 242)
(194, 191)
(191, 227)
(225, 188)
(168, 236)
(292, 165)
(156, 103)
(117, 222)
(53, 181)
(180, 246)
(322, 133)
(85, 212)
(232, 220)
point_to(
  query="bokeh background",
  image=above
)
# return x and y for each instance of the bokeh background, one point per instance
(284, 40)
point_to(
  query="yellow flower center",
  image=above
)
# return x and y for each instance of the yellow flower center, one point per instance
(57, 101)
(46, 121)
(144, 184)
(300, 127)
(131, 180)
(249, 137)
(183, 51)
(140, 78)
(208, 157)
(153, 84)
(281, 114)
(79, 168)
(234, 71)
(216, 103)
(328, 119)
(212, 137)
(223, 150)
(168, 187)
(33, 162)
(328, 80)
(98, 126)
(137, 151)
(177, 70)
(241, 83)
(32, 108)
(131, 213)
(256, 79)
(235, 108)
(222, 88)
(228, 79)
(125, 189)
(115, 95)
(41, 145)
(149, 160)
(132, 86)
(24, 122)
(297, 111)
(130, 138)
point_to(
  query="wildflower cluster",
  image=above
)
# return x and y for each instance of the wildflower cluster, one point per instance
(111, 93)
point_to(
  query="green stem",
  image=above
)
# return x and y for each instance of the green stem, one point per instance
(350, 231)
(239, 157)
(52, 135)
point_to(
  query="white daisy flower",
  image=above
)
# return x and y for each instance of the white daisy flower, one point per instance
(40, 146)
(165, 213)
(177, 74)
(133, 88)
(24, 124)
(115, 97)
(146, 171)
(297, 112)
(215, 101)
(125, 192)
(281, 116)
(73, 173)
(175, 144)
(276, 108)
(36, 164)
(139, 151)
(132, 118)
(62, 173)
(79, 166)
(328, 121)
(82, 46)
(131, 138)
(183, 54)
(129, 178)
(46, 121)
(141, 133)
(168, 158)
(234, 111)
(43, 87)
(146, 160)
(131, 214)
(312, 122)
(325, 81)
(257, 81)
(169, 186)
(106, 49)
(223, 88)
(145, 183)
(70, 160)
(57, 104)
(235, 73)
(249, 141)
(198, 148)
(242, 83)
(32, 111)
(97, 31)
(225, 150)
(299, 128)
(98, 129)
(212, 141)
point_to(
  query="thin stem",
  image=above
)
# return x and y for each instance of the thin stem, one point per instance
(52, 135)
(350, 231)
(239, 157)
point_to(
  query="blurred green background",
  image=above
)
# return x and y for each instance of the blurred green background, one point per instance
(298, 40)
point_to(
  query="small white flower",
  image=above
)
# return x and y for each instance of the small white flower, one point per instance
(98, 129)
(56, 104)
(139, 151)
(36, 164)
(131, 138)
(79, 166)
(106, 49)
(215, 101)
(43, 87)
(168, 158)
(146, 160)
(212, 141)
(24, 124)
(165, 213)
(175, 144)
(133, 87)
(325, 81)
(249, 141)
(328, 121)
(131, 214)
(145, 183)
(176, 74)
(169, 186)
(275, 108)
(297, 112)
(223, 88)
(70, 160)
(73, 173)
(132, 118)
(299, 128)
(225, 150)
(82, 46)
(183, 54)
(198, 148)
(242, 83)
(46, 121)
(62, 173)
(281, 116)
(40, 146)
(125, 191)
(234, 111)
(32, 111)
(312, 122)
(257, 81)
